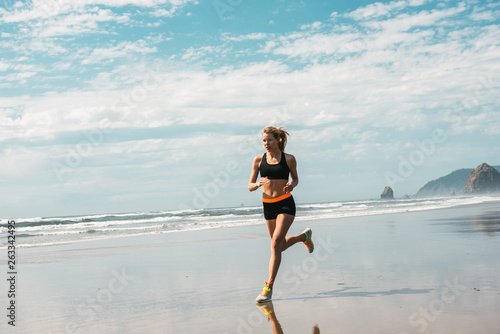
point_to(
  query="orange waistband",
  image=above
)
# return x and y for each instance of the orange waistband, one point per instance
(276, 199)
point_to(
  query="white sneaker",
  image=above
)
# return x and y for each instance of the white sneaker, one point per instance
(265, 296)
(309, 244)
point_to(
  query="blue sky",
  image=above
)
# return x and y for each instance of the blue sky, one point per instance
(144, 105)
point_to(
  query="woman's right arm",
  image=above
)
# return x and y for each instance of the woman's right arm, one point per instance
(253, 184)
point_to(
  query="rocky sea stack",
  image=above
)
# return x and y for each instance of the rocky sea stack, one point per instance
(387, 193)
(483, 179)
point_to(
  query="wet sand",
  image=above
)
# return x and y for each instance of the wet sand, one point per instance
(417, 272)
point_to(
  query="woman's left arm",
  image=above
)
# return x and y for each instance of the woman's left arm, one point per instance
(292, 165)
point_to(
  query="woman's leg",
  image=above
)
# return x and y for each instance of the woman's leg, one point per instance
(279, 242)
(290, 241)
(271, 226)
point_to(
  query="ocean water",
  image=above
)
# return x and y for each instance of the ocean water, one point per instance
(41, 231)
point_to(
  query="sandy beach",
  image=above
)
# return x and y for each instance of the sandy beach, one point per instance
(431, 271)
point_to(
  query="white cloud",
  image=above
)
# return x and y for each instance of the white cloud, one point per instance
(48, 46)
(251, 36)
(42, 9)
(41, 24)
(4, 66)
(163, 12)
(19, 77)
(21, 162)
(388, 78)
(404, 22)
(481, 14)
(310, 46)
(375, 10)
(312, 26)
(122, 49)
(379, 9)
(193, 54)
(77, 23)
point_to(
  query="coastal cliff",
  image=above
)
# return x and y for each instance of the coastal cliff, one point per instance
(483, 179)
(451, 184)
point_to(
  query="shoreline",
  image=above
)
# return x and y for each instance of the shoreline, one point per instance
(306, 213)
(493, 196)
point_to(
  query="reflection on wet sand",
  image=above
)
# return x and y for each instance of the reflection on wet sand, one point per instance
(488, 223)
(268, 310)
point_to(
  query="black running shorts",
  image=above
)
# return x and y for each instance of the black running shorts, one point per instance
(272, 210)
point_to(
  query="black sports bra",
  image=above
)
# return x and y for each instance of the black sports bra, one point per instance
(274, 172)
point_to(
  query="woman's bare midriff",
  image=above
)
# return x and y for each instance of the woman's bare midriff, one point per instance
(274, 189)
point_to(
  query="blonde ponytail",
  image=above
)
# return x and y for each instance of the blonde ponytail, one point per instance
(279, 133)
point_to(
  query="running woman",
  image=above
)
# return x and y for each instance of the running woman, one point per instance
(275, 167)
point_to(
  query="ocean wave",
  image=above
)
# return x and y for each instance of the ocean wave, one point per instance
(54, 230)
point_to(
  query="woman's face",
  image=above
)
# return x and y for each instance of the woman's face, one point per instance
(269, 142)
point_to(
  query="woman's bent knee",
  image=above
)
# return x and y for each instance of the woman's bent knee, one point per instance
(277, 245)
